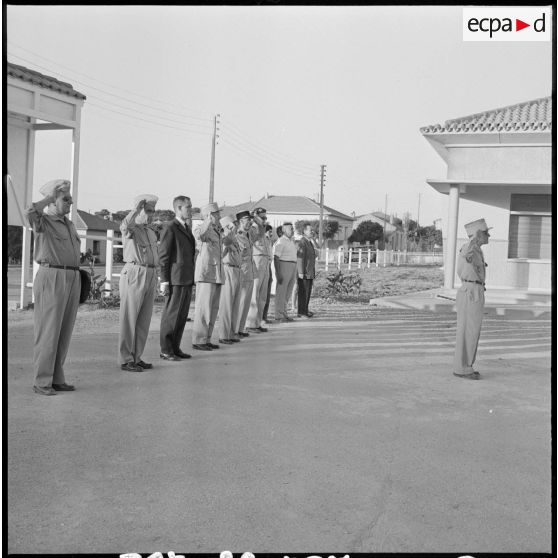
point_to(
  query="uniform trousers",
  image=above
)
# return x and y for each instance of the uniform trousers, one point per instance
(304, 292)
(469, 305)
(207, 308)
(268, 295)
(174, 316)
(56, 294)
(229, 303)
(259, 292)
(246, 288)
(283, 290)
(137, 293)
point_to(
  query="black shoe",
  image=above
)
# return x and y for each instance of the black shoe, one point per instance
(131, 367)
(169, 356)
(212, 345)
(201, 347)
(44, 390)
(253, 329)
(243, 334)
(63, 387)
(234, 340)
(226, 341)
(263, 329)
(180, 354)
(472, 376)
(144, 365)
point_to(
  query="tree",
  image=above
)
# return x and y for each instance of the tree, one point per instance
(329, 228)
(367, 231)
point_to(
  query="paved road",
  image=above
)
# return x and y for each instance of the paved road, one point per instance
(346, 432)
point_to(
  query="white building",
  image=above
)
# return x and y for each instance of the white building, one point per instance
(501, 159)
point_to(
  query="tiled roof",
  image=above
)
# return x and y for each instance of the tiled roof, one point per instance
(42, 80)
(94, 222)
(532, 116)
(296, 205)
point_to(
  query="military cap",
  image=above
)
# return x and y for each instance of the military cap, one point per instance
(287, 223)
(242, 214)
(58, 185)
(474, 226)
(209, 208)
(149, 198)
(226, 220)
(259, 211)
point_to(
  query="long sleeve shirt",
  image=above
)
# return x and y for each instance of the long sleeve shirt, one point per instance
(139, 241)
(56, 238)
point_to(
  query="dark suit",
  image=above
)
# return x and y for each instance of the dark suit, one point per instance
(177, 249)
(306, 266)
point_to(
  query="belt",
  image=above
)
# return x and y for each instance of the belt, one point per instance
(72, 267)
(231, 265)
(469, 281)
(143, 265)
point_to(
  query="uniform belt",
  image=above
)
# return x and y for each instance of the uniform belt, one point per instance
(288, 261)
(469, 281)
(72, 267)
(143, 265)
(231, 265)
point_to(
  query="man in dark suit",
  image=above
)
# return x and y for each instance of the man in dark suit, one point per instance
(306, 264)
(177, 248)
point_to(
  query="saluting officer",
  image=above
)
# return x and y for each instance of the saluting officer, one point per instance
(261, 253)
(230, 291)
(138, 282)
(470, 299)
(56, 286)
(208, 276)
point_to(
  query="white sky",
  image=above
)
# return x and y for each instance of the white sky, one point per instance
(296, 87)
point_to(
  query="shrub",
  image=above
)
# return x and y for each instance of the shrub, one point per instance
(339, 284)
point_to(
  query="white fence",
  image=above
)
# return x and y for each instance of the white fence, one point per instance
(358, 258)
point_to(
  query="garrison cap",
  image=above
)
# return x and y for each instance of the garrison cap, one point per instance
(54, 186)
(226, 220)
(474, 226)
(209, 208)
(149, 198)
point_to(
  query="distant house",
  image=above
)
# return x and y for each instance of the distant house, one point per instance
(296, 208)
(501, 158)
(86, 223)
(386, 221)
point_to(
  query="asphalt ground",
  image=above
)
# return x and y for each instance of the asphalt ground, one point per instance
(346, 432)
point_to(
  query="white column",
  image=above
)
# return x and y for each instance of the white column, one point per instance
(108, 262)
(451, 241)
(75, 164)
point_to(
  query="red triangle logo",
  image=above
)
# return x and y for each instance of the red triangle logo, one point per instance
(519, 25)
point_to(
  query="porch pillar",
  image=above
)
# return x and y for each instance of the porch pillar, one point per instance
(451, 248)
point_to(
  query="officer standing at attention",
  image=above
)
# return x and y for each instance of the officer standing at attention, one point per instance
(230, 291)
(284, 257)
(209, 277)
(268, 239)
(470, 299)
(56, 286)
(177, 248)
(261, 255)
(138, 282)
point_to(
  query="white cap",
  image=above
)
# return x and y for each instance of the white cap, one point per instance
(209, 208)
(226, 220)
(474, 226)
(54, 186)
(149, 198)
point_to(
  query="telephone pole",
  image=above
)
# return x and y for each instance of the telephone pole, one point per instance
(321, 225)
(212, 172)
(385, 222)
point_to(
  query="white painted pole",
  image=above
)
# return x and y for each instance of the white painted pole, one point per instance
(339, 256)
(451, 244)
(108, 263)
(368, 264)
(359, 258)
(326, 258)
(350, 257)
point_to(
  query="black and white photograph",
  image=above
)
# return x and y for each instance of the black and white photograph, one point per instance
(278, 279)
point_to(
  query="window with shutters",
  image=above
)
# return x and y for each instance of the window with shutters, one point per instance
(530, 227)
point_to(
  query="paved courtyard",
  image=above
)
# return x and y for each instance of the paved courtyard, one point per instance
(345, 432)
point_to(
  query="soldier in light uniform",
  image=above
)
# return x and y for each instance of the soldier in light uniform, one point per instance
(56, 286)
(230, 291)
(246, 236)
(470, 299)
(138, 282)
(261, 254)
(209, 277)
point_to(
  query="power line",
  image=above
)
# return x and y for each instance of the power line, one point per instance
(203, 119)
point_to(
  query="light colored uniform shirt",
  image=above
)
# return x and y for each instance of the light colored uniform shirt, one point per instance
(470, 263)
(285, 249)
(231, 251)
(56, 238)
(139, 241)
(261, 242)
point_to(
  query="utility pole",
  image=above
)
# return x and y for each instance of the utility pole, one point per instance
(321, 225)
(418, 215)
(212, 172)
(385, 222)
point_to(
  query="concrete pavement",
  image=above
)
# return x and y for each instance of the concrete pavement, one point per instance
(346, 432)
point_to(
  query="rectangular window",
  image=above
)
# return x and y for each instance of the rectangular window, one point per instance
(96, 247)
(530, 227)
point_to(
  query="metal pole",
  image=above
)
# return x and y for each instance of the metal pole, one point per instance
(212, 171)
(385, 222)
(321, 224)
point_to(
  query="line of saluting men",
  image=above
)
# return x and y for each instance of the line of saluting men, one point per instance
(229, 259)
